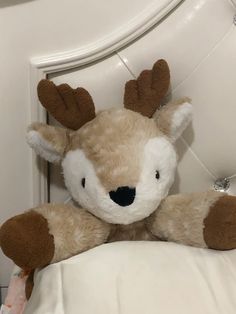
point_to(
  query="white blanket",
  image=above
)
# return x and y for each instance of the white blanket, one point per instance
(138, 278)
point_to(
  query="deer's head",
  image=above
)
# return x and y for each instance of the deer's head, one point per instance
(119, 164)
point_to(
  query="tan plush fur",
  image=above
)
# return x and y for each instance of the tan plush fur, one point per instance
(114, 143)
(164, 116)
(180, 218)
(57, 137)
(74, 229)
(133, 232)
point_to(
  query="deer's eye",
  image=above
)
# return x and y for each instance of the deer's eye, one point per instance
(157, 175)
(83, 182)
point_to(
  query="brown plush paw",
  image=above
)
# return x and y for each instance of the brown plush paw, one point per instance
(220, 224)
(26, 240)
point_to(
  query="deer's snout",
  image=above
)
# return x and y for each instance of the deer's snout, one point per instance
(123, 196)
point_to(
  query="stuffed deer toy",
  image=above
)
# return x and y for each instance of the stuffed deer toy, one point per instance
(118, 166)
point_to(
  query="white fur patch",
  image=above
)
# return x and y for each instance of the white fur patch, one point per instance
(158, 155)
(180, 120)
(42, 147)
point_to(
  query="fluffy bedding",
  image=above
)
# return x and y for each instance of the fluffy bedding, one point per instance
(140, 278)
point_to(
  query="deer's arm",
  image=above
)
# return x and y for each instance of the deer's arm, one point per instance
(205, 220)
(50, 233)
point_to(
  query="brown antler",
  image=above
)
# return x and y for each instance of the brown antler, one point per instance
(144, 94)
(71, 107)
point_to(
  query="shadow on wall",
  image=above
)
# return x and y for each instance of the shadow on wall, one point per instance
(10, 3)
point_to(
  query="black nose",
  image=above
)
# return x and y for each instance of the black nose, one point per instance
(123, 196)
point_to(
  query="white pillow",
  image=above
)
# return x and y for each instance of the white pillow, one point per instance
(138, 278)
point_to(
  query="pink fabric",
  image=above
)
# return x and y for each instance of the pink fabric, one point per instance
(15, 300)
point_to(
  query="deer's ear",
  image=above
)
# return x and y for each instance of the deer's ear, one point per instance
(173, 118)
(48, 141)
